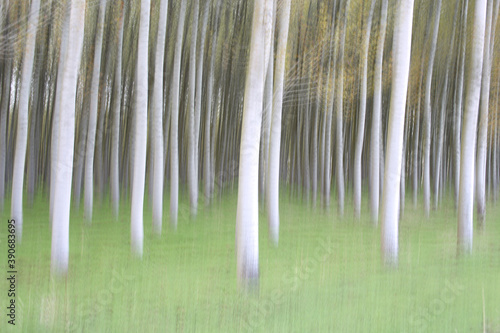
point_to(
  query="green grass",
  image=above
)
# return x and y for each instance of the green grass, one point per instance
(325, 276)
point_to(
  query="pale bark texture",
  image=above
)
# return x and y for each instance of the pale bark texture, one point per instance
(275, 138)
(469, 128)
(140, 133)
(377, 118)
(247, 215)
(392, 175)
(192, 175)
(174, 119)
(94, 100)
(115, 135)
(158, 171)
(483, 122)
(362, 113)
(63, 164)
(22, 121)
(339, 155)
(427, 113)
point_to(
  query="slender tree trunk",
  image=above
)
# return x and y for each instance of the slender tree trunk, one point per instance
(275, 138)
(401, 68)
(208, 171)
(247, 215)
(174, 119)
(94, 100)
(362, 113)
(115, 135)
(4, 110)
(340, 115)
(63, 165)
(469, 128)
(140, 133)
(483, 122)
(22, 121)
(192, 166)
(458, 109)
(158, 120)
(427, 112)
(377, 117)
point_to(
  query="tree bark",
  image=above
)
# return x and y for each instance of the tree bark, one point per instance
(469, 128)
(392, 174)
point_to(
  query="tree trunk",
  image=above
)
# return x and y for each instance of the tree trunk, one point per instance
(392, 174)
(115, 135)
(22, 121)
(174, 119)
(483, 122)
(158, 120)
(94, 100)
(469, 128)
(63, 164)
(140, 133)
(247, 216)
(377, 117)
(340, 115)
(192, 166)
(275, 138)
(427, 113)
(362, 113)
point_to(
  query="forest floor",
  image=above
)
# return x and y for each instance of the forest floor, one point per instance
(325, 276)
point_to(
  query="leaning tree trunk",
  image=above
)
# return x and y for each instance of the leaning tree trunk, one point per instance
(247, 215)
(377, 118)
(22, 121)
(63, 164)
(469, 128)
(140, 133)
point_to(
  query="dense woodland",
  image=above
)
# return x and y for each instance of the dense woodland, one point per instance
(380, 100)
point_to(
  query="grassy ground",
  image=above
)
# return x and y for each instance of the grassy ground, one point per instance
(326, 275)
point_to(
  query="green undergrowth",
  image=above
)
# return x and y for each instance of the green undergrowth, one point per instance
(325, 276)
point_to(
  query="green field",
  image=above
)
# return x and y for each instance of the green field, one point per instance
(325, 276)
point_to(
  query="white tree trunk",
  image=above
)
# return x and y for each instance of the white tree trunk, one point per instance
(340, 116)
(22, 121)
(469, 128)
(55, 117)
(275, 139)
(483, 122)
(174, 119)
(63, 165)
(377, 118)
(158, 170)
(458, 108)
(392, 174)
(140, 133)
(94, 100)
(362, 113)
(427, 113)
(192, 175)
(247, 216)
(3, 129)
(115, 135)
